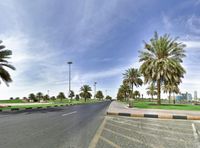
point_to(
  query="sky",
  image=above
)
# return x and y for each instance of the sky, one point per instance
(101, 38)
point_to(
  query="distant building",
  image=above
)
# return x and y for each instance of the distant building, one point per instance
(189, 97)
(184, 96)
(195, 95)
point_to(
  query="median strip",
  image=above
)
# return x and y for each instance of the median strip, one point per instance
(161, 116)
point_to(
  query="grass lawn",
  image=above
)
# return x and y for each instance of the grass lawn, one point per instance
(11, 101)
(51, 103)
(152, 105)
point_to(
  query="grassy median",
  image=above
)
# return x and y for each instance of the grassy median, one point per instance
(51, 104)
(153, 105)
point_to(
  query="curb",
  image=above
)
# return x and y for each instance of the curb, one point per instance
(161, 116)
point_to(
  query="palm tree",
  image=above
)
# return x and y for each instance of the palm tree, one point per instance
(136, 94)
(132, 76)
(39, 95)
(61, 96)
(85, 92)
(4, 55)
(151, 90)
(124, 92)
(32, 97)
(162, 59)
(171, 88)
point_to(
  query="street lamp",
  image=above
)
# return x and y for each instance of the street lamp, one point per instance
(95, 83)
(69, 63)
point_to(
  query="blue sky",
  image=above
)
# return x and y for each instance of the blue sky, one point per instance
(102, 38)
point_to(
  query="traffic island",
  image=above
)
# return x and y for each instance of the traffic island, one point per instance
(120, 109)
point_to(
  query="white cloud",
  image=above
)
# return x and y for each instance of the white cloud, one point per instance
(194, 24)
(192, 44)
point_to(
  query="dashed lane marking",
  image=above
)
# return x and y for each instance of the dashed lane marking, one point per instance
(69, 113)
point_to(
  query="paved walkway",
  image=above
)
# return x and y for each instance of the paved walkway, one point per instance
(119, 107)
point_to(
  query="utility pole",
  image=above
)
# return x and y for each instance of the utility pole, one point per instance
(69, 63)
(95, 83)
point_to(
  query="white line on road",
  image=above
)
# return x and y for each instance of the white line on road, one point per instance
(195, 134)
(69, 113)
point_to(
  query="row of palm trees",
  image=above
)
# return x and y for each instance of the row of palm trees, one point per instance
(160, 67)
(85, 93)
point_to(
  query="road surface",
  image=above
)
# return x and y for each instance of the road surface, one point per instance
(62, 127)
(126, 132)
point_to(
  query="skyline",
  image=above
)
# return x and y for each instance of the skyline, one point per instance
(102, 39)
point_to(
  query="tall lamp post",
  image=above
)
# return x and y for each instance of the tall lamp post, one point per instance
(95, 83)
(69, 63)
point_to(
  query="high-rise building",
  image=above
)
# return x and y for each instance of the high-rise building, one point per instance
(195, 95)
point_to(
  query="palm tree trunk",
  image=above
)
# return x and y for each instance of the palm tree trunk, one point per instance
(85, 99)
(169, 97)
(159, 93)
(132, 91)
(174, 98)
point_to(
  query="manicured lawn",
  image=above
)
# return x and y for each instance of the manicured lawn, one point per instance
(152, 105)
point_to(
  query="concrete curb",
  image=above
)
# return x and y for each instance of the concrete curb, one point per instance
(161, 116)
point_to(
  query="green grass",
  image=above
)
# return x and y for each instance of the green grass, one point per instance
(52, 104)
(152, 105)
(11, 101)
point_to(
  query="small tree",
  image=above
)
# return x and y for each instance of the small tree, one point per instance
(46, 97)
(71, 95)
(99, 95)
(136, 94)
(39, 96)
(85, 92)
(17, 98)
(61, 96)
(108, 97)
(77, 97)
(33, 97)
(53, 98)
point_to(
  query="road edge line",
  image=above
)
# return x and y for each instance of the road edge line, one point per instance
(97, 136)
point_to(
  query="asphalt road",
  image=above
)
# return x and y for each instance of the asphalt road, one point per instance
(66, 127)
(125, 132)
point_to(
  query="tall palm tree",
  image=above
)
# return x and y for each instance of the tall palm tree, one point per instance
(85, 92)
(151, 90)
(4, 55)
(132, 76)
(161, 61)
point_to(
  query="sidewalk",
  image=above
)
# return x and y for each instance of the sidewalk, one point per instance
(118, 108)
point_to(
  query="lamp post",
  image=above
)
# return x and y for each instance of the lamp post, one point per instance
(48, 92)
(95, 83)
(69, 63)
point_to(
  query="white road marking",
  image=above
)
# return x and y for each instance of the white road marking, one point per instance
(69, 113)
(195, 134)
(194, 131)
